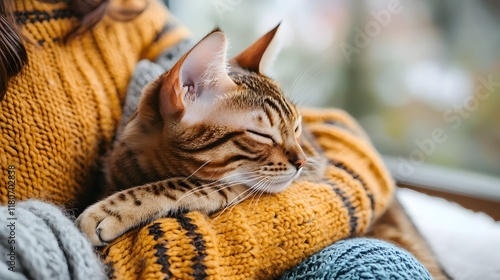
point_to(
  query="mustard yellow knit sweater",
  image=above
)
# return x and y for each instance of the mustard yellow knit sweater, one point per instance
(59, 116)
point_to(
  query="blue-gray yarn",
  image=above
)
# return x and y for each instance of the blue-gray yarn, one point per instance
(47, 245)
(360, 258)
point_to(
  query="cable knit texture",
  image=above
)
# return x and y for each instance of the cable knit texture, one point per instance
(60, 114)
(46, 245)
(360, 258)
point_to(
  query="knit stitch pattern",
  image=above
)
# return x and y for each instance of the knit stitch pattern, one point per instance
(45, 245)
(60, 114)
(262, 240)
(360, 258)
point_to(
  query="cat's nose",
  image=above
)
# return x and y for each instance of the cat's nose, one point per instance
(298, 162)
(297, 158)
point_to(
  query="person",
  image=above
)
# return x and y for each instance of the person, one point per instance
(64, 71)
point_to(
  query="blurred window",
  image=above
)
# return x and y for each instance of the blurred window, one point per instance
(422, 77)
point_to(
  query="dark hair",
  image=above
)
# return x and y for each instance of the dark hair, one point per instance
(13, 56)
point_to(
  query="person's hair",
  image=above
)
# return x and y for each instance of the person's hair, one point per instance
(13, 55)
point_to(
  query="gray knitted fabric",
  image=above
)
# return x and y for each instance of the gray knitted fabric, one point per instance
(47, 245)
(360, 259)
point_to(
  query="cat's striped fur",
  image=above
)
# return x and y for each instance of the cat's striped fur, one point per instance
(202, 139)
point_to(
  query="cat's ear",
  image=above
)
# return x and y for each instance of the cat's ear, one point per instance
(260, 55)
(199, 74)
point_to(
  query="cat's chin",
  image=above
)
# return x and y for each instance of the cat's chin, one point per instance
(276, 188)
(277, 185)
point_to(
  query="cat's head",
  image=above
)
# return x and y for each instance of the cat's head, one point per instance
(217, 120)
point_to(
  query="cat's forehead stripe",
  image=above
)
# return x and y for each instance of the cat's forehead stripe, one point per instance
(281, 108)
(280, 116)
(273, 106)
(286, 107)
(269, 116)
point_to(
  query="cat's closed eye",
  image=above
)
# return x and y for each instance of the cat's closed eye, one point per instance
(297, 131)
(263, 137)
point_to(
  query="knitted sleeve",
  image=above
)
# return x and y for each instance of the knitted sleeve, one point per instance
(39, 241)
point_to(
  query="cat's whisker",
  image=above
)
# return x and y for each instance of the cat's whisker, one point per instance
(236, 183)
(268, 187)
(313, 166)
(294, 93)
(310, 167)
(252, 177)
(301, 101)
(253, 189)
(232, 203)
(212, 186)
(193, 191)
(235, 174)
(238, 174)
(203, 165)
(313, 161)
(253, 192)
(225, 208)
(262, 191)
(258, 190)
(302, 75)
(218, 183)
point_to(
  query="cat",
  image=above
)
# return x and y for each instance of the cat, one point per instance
(205, 136)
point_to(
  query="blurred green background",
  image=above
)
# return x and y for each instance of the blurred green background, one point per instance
(404, 68)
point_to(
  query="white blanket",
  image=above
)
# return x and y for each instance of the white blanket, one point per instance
(466, 243)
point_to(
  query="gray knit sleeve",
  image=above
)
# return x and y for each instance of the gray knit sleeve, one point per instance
(38, 241)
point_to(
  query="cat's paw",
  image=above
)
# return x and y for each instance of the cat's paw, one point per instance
(101, 225)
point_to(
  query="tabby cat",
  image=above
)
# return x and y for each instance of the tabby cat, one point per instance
(204, 137)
